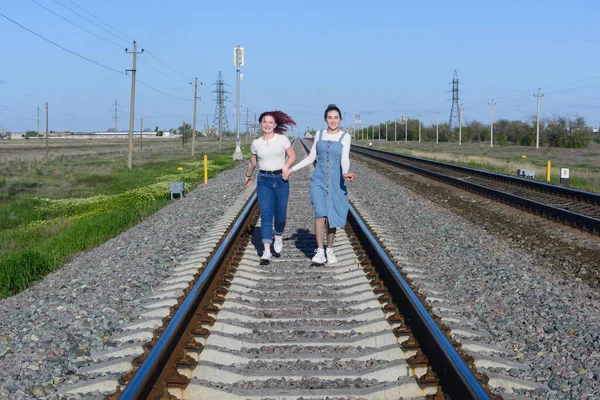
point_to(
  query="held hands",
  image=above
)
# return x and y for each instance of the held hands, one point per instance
(349, 176)
(285, 173)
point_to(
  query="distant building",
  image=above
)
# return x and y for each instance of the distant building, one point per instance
(121, 133)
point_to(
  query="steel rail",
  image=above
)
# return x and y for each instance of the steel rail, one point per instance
(582, 221)
(143, 381)
(455, 377)
(588, 197)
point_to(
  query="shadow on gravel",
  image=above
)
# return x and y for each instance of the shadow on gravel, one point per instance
(304, 241)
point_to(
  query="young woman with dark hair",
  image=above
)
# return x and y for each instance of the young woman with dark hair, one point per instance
(269, 152)
(328, 193)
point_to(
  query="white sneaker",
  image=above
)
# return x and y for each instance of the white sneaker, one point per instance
(266, 256)
(278, 245)
(331, 258)
(319, 257)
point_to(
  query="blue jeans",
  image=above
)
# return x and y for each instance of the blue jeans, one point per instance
(273, 193)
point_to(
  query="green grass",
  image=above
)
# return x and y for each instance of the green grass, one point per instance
(46, 220)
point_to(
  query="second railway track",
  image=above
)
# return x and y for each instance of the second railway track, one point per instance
(574, 207)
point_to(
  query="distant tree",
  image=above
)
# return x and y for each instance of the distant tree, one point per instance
(29, 134)
(111, 130)
(476, 131)
(444, 132)
(160, 133)
(185, 129)
(501, 131)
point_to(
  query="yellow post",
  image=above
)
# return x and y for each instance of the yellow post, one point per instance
(205, 169)
(548, 173)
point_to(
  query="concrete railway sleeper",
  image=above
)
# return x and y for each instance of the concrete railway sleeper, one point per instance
(288, 329)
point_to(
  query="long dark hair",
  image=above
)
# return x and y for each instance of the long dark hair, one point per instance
(281, 119)
(332, 107)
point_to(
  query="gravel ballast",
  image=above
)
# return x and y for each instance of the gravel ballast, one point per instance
(527, 283)
(521, 279)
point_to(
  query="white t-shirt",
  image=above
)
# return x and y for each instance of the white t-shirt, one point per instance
(270, 153)
(312, 156)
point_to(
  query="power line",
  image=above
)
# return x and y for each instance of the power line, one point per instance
(526, 96)
(90, 21)
(81, 8)
(514, 98)
(159, 91)
(573, 83)
(87, 59)
(188, 78)
(162, 73)
(575, 88)
(61, 47)
(174, 70)
(73, 23)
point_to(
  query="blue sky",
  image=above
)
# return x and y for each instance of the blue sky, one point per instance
(381, 59)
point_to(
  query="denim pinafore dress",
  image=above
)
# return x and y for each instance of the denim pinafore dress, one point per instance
(328, 192)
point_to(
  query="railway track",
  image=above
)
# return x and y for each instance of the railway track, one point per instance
(574, 207)
(226, 326)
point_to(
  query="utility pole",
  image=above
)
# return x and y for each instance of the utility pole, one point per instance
(141, 131)
(437, 113)
(239, 63)
(132, 105)
(38, 120)
(115, 117)
(460, 125)
(537, 136)
(46, 130)
(194, 117)
(207, 126)
(492, 123)
(420, 115)
(247, 138)
(386, 127)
